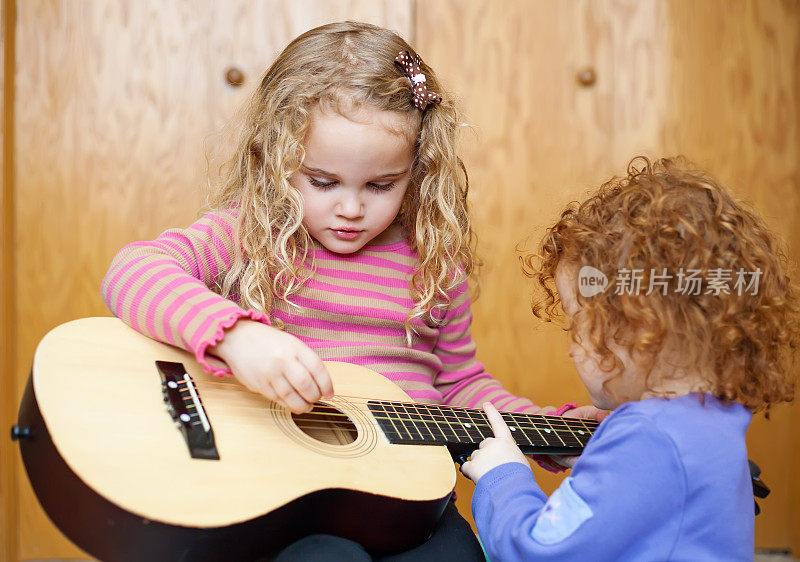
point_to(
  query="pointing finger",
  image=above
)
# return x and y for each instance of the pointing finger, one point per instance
(499, 426)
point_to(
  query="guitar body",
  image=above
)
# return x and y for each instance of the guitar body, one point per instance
(115, 474)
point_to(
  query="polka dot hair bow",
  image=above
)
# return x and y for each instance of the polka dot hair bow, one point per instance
(412, 68)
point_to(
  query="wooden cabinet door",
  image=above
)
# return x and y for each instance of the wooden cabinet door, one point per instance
(560, 96)
(117, 105)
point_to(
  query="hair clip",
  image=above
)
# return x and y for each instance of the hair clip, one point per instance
(412, 68)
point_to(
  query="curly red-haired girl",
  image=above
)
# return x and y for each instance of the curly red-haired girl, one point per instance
(683, 321)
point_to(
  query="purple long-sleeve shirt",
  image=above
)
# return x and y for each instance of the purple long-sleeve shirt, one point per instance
(661, 479)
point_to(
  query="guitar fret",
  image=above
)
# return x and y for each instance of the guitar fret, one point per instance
(415, 421)
(441, 423)
(383, 409)
(408, 422)
(421, 422)
(394, 413)
(586, 433)
(435, 423)
(464, 437)
(476, 433)
(554, 431)
(448, 421)
(565, 432)
(550, 429)
(578, 430)
(516, 429)
(452, 430)
(534, 430)
(534, 434)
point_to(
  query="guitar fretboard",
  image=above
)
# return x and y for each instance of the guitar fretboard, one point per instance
(429, 424)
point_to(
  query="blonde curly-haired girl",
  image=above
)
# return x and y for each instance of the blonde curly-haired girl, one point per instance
(341, 232)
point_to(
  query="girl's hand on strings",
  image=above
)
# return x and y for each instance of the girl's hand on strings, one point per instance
(275, 364)
(558, 463)
(494, 451)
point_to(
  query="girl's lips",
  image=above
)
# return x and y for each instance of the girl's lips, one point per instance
(346, 234)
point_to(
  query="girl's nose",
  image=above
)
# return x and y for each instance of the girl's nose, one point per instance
(350, 207)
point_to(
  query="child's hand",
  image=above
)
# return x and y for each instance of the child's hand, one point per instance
(494, 451)
(585, 412)
(275, 364)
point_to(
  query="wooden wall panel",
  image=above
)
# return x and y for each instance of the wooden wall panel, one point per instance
(117, 107)
(735, 108)
(8, 493)
(716, 81)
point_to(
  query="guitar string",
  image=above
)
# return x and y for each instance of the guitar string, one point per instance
(237, 386)
(575, 423)
(325, 425)
(325, 415)
(350, 426)
(542, 428)
(322, 420)
(328, 412)
(443, 408)
(485, 432)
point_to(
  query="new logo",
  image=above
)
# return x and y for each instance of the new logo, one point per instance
(591, 281)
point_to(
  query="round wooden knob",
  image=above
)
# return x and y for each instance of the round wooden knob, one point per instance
(587, 77)
(234, 76)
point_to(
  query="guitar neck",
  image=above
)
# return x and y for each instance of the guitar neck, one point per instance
(463, 428)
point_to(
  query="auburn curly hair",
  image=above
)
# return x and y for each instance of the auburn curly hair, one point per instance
(666, 224)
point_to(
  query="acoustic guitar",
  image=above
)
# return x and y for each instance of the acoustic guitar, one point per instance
(136, 454)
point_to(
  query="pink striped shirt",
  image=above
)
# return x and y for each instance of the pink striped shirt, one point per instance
(352, 310)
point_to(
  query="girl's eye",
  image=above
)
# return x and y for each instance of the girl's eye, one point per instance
(381, 186)
(321, 184)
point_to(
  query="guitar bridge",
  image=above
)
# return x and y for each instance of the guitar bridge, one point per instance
(186, 409)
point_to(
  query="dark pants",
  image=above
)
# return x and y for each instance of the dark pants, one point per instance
(452, 539)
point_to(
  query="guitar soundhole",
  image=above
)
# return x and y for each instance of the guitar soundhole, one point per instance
(327, 424)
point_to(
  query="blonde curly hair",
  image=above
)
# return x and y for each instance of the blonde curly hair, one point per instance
(670, 215)
(339, 66)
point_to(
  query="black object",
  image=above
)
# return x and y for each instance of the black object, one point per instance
(20, 432)
(186, 408)
(453, 539)
(463, 429)
(459, 458)
(760, 490)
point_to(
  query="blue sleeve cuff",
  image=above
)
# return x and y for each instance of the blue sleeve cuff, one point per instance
(502, 481)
